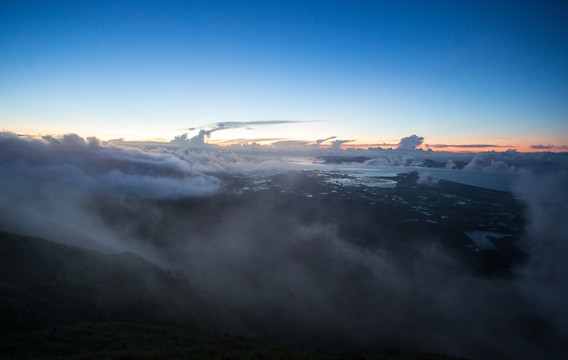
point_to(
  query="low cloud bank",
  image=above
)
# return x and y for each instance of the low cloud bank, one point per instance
(330, 274)
(479, 164)
(46, 183)
(545, 276)
(294, 269)
(80, 163)
(406, 153)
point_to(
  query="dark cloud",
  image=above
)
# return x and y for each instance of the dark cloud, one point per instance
(549, 147)
(410, 142)
(542, 147)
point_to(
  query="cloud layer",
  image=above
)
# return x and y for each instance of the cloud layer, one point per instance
(296, 269)
(46, 183)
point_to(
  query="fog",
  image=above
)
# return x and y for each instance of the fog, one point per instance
(296, 270)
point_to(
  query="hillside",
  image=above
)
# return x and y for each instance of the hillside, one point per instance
(45, 284)
(59, 301)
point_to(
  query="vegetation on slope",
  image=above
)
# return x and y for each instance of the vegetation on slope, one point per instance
(62, 302)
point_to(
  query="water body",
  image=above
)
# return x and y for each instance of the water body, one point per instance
(481, 239)
(488, 180)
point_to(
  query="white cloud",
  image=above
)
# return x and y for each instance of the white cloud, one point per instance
(410, 143)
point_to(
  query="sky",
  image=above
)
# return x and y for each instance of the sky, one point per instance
(373, 72)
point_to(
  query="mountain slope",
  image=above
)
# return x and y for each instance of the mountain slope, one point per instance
(63, 302)
(43, 284)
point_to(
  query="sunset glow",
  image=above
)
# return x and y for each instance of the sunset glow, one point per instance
(368, 72)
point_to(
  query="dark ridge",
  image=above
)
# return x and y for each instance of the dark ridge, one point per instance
(429, 163)
(343, 159)
(59, 301)
(47, 284)
(114, 340)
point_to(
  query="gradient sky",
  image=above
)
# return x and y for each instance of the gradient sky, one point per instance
(453, 72)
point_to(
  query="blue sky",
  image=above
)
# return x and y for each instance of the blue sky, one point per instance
(453, 72)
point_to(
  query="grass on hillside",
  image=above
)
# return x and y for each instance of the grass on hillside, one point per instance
(122, 341)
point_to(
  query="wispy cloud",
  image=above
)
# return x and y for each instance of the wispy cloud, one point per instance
(385, 145)
(320, 141)
(223, 125)
(246, 141)
(242, 124)
(467, 146)
(291, 144)
(204, 133)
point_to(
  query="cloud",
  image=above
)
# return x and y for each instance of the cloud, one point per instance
(544, 279)
(549, 147)
(337, 276)
(123, 169)
(336, 144)
(392, 160)
(385, 145)
(247, 141)
(196, 141)
(294, 269)
(497, 166)
(425, 179)
(49, 180)
(468, 146)
(478, 163)
(241, 124)
(199, 140)
(320, 141)
(451, 164)
(542, 147)
(410, 142)
(291, 145)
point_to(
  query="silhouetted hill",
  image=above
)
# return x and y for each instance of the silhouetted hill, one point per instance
(343, 159)
(135, 341)
(45, 284)
(58, 301)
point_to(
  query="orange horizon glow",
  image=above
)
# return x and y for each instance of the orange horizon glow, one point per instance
(435, 145)
(454, 148)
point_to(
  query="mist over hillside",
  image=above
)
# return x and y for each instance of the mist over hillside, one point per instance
(317, 256)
